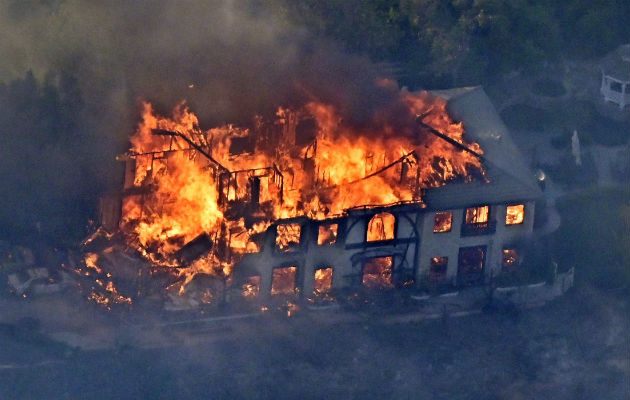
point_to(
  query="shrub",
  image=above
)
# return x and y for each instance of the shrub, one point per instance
(548, 87)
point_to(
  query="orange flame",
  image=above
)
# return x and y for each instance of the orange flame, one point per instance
(233, 182)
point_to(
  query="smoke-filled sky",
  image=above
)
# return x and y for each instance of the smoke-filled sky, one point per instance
(93, 62)
(239, 56)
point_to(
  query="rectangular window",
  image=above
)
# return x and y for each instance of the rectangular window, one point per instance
(288, 236)
(443, 222)
(437, 272)
(381, 227)
(323, 280)
(515, 214)
(327, 234)
(471, 265)
(283, 281)
(615, 86)
(477, 215)
(510, 259)
(377, 272)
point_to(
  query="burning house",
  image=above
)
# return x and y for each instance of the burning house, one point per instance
(304, 203)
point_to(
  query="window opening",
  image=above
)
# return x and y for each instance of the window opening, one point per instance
(377, 272)
(477, 215)
(443, 222)
(381, 227)
(251, 287)
(323, 280)
(510, 260)
(288, 236)
(437, 272)
(327, 234)
(515, 214)
(471, 264)
(283, 281)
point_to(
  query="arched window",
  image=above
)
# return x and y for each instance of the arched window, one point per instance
(381, 227)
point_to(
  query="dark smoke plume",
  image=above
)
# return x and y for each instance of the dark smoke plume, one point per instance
(89, 63)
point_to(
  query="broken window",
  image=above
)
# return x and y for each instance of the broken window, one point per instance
(443, 222)
(381, 227)
(283, 281)
(437, 272)
(251, 287)
(327, 234)
(510, 259)
(377, 272)
(288, 236)
(477, 215)
(323, 280)
(515, 214)
(471, 263)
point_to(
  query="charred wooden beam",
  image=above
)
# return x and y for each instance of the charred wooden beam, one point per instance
(385, 168)
(446, 138)
(196, 248)
(194, 145)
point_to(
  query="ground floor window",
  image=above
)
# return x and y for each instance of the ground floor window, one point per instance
(283, 280)
(381, 227)
(437, 271)
(377, 272)
(251, 287)
(510, 260)
(471, 264)
(323, 280)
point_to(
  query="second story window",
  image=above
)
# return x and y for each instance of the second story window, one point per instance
(381, 227)
(477, 222)
(327, 234)
(443, 222)
(477, 215)
(437, 272)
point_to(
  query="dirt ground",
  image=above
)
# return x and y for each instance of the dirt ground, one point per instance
(573, 348)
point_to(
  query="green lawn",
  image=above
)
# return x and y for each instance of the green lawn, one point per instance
(595, 237)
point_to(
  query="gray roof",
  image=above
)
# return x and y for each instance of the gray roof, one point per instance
(617, 63)
(509, 178)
